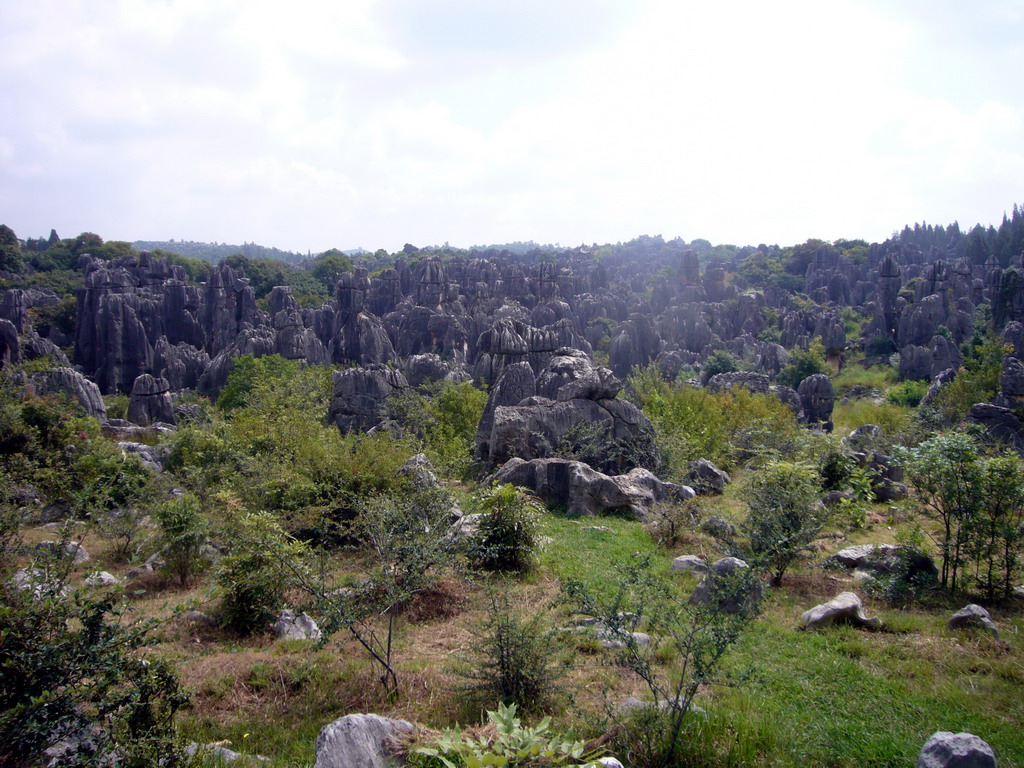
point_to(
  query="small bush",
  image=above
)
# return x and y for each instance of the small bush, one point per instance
(514, 659)
(182, 536)
(256, 572)
(509, 529)
(804, 363)
(907, 393)
(718, 362)
(512, 744)
(785, 515)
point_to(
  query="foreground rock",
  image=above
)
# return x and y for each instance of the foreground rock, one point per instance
(882, 559)
(845, 608)
(973, 617)
(706, 478)
(360, 741)
(729, 585)
(291, 627)
(585, 491)
(956, 750)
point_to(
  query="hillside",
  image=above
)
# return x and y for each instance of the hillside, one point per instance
(606, 483)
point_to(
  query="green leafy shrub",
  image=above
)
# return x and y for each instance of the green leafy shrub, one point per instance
(512, 744)
(723, 427)
(514, 659)
(907, 393)
(720, 361)
(183, 530)
(247, 372)
(785, 515)
(509, 529)
(73, 664)
(256, 572)
(804, 363)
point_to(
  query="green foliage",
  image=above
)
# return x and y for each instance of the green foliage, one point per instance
(61, 315)
(785, 515)
(247, 371)
(265, 273)
(10, 250)
(44, 443)
(907, 393)
(328, 266)
(73, 663)
(183, 530)
(976, 382)
(512, 744)
(509, 534)
(697, 635)
(444, 420)
(256, 571)
(906, 582)
(719, 361)
(723, 427)
(514, 659)
(804, 363)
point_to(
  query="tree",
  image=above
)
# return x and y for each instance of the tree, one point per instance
(945, 474)
(785, 515)
(804, 363)
(10, 249)
(72, 665)
(328, 266)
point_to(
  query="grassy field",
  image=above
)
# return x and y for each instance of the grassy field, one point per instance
(842, 697)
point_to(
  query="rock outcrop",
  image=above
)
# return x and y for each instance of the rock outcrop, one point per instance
(585, 491)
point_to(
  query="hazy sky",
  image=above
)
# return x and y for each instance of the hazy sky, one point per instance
(310, 125)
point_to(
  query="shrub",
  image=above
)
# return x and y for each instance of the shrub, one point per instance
(182, 536)
(907, 393)
(804, 363)
(719, 361)
(256, 571)
(509, 529)
(785, 515)
(73, 665)
(697, 635)
(514, 659)
(907, 581)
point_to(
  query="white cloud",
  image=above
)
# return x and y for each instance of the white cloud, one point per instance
(323, 124)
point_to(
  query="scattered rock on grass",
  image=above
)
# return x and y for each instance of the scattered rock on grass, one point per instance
(956, 750)
(845, 608)
(973, 617)
(291, 627)
(689, 563)
(360, 741)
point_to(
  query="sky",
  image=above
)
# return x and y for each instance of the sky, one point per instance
(310, 125)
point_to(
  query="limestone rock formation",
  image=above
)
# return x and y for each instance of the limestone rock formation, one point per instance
(360, 741)
(973, 617)
(584, 491)
(359, 395)
(956, 750)
(150, 401)
(845, 608)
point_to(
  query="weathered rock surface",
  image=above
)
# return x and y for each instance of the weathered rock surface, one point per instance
(73, 385)
(729, 586)
(817, 399)
(956, 750)
(151, 401)
(845, 608)
(973, 617)
(292, 626)
(687, 563)
(585, 491)
(360, 741)
(706, 478)
(359, 396)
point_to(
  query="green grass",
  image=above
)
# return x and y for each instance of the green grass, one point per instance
(853, 374)
(892, 418)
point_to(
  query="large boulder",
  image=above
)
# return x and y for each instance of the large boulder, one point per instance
(585, 491)
(73, 385)
(845, 608)
(956, 750)
(1001, 423)
(359, 396)
(706, 478)
(757, 383)
(292, 626)
(729, 585)
(973, 617)
(150, 401)
(360, 741)
(817, 399)
(578, 414)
